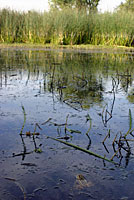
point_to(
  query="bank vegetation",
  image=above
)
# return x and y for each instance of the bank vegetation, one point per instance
(68, 26)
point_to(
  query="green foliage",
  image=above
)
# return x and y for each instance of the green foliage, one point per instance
(90, 4)
(67, 26)
(128, 5)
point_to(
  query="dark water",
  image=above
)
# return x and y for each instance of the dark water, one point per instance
(89, 93)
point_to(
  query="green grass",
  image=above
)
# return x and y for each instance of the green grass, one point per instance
(67, 27)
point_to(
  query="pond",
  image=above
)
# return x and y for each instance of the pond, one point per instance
(66, 124)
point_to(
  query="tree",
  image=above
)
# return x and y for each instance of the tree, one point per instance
(88, 4)
(128, 5)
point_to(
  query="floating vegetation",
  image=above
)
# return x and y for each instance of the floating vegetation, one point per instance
(38, 150)
(84, 150)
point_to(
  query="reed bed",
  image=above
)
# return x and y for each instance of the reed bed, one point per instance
(67, 26)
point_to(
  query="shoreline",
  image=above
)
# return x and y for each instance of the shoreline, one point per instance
(82, 47)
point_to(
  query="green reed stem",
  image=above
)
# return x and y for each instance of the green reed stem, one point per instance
(84, 150)
(24, 113)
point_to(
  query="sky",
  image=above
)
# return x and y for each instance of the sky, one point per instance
(41, 5)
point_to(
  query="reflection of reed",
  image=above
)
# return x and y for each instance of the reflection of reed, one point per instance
(125, 80)
(121, 143)
(1, 78)
(106, 114)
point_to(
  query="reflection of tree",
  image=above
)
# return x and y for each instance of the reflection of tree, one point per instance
(74, 78)
(130, 96)
(107, 113)
(83, 91)
(125, 80)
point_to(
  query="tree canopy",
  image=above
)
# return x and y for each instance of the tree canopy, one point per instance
(128, 5)
(88, 4)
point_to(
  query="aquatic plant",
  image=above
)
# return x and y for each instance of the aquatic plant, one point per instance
(24, 113)
(82, 149)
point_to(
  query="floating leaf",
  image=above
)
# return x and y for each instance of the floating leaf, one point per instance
(38, 150)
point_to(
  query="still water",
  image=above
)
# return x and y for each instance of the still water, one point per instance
(84, 98)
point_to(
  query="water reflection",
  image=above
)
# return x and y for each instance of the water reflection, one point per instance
(85, 99)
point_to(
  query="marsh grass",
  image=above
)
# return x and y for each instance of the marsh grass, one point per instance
(67, 26)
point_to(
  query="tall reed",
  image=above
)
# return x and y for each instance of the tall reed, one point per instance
(67, 26)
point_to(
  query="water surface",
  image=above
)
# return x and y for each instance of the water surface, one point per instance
(84, 98)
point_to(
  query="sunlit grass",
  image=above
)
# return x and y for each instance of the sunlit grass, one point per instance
(67, 27)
